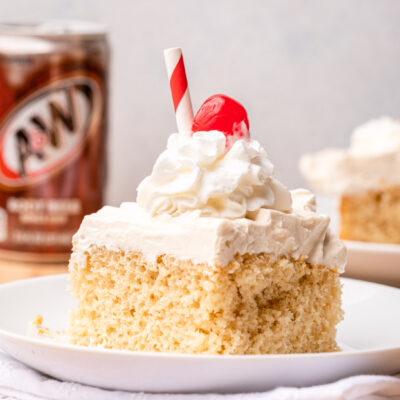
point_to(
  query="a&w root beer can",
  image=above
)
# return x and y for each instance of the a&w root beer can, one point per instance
(53, 127)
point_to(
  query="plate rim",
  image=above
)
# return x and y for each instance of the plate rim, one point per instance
(220, 357)
(372, 247)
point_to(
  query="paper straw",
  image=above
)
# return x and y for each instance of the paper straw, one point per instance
(179, 88)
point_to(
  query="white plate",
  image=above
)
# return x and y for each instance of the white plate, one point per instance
(370, 335)
(376, 262)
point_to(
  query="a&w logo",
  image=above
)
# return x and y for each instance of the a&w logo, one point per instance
(47, 130)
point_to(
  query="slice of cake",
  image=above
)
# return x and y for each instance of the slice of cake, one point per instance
(366, 178)
(216, 256)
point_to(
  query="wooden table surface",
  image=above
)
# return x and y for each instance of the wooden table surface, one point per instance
(13, 270)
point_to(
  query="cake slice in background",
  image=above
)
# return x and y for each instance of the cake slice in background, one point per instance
(366, 179)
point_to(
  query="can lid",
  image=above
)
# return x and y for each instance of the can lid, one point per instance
(22, 45)
(56, 29)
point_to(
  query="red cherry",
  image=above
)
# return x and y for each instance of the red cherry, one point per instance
(221, 113)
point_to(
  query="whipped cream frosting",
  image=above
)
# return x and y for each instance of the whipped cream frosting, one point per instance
(215, 241)
(205, 174)
(371, 162)
(207, 201)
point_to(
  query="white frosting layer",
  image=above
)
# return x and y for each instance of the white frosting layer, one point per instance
(371, 162)
(201, 173)
(213, 240)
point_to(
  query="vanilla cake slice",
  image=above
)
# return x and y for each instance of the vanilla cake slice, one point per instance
(216, 256)
(366, 179)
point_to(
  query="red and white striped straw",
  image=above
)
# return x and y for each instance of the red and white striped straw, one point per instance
(179, 88)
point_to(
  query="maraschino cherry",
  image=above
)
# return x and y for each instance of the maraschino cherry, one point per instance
(222, 113)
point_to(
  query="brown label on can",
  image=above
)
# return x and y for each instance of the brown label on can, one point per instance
(46, 131)
(51, 164)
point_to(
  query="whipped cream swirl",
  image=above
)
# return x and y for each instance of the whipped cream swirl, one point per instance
(200, 173)
(376, 137)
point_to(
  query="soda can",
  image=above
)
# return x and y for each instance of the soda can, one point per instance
(53, 134)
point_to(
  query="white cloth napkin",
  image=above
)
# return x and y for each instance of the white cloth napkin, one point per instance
(19, 382)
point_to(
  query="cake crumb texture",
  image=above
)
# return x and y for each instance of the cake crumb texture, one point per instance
(252, 306)
(372, 216)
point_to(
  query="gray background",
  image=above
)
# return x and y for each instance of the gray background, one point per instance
(308, 71)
